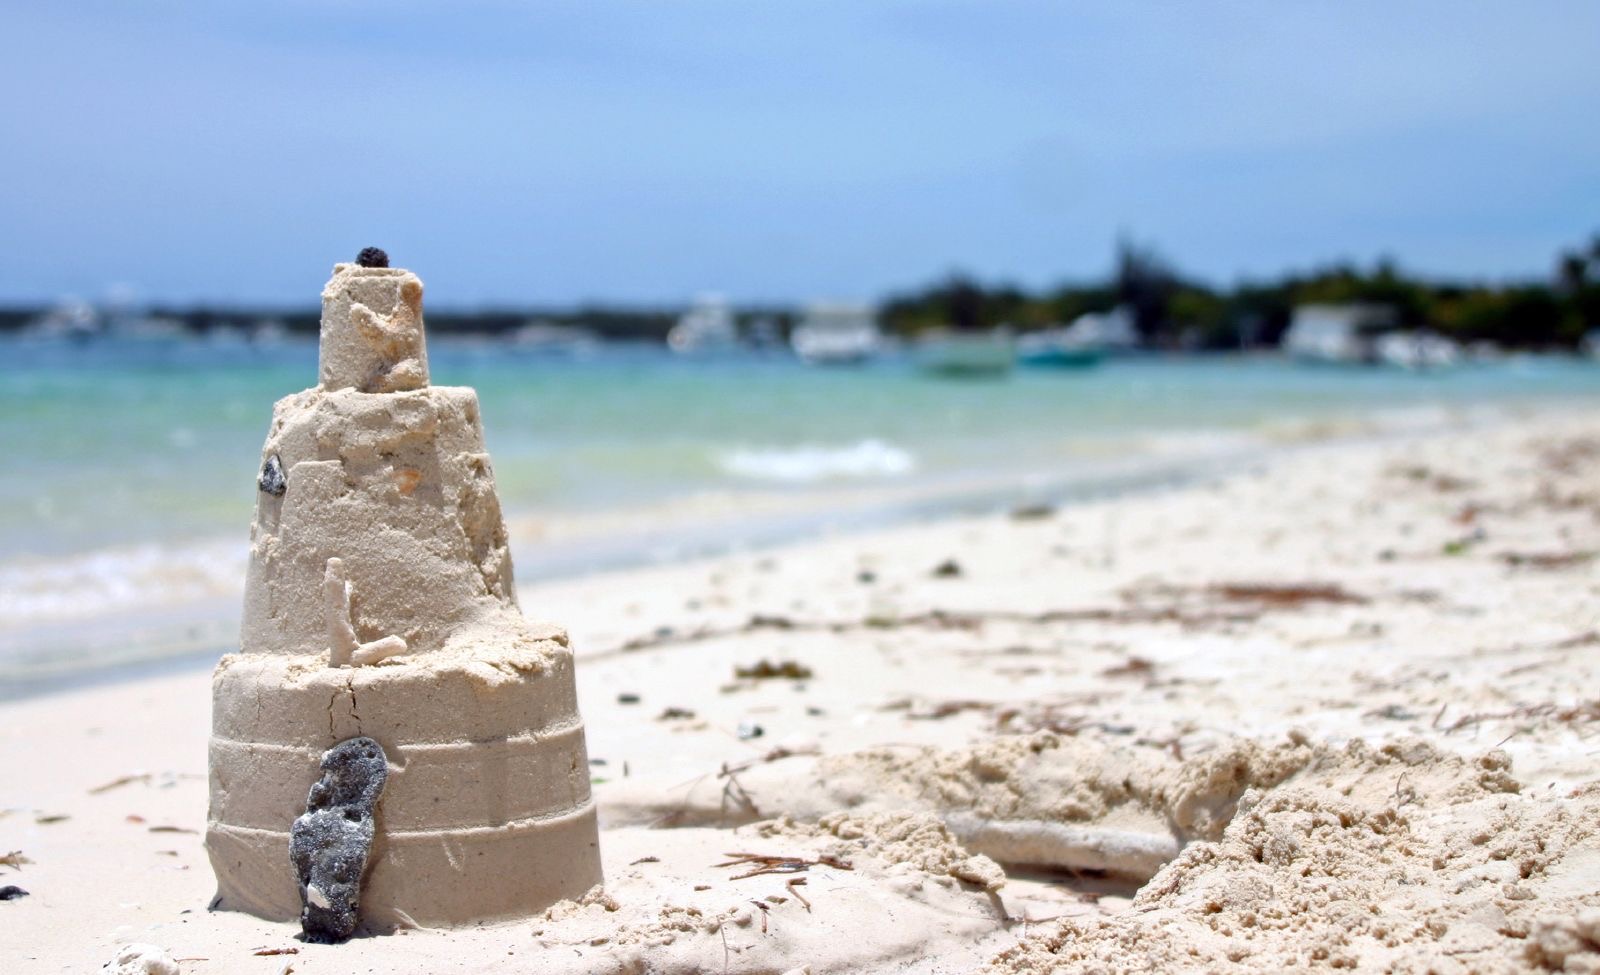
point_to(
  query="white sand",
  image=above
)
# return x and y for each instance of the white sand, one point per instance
(1394, 763)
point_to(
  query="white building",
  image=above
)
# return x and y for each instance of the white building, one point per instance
(1336, 333)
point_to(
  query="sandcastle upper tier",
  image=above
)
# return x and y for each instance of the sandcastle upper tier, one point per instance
(377, 520)
(372, 330)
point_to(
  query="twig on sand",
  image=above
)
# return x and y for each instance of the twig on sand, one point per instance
(120, 781)
(772, 755)
(733, 792)
(1282, 595)
(766, 863)
(945, 709)
(1581, 640)
(14, 860)
(794, 882)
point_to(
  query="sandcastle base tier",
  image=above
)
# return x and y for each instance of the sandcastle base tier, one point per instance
(486, 814)
(433, 880)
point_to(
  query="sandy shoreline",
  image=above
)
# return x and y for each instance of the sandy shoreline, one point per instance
(114, 614)
(1079, 693)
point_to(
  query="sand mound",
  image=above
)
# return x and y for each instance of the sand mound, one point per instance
(1073, 802)
(849, 893)
(1398, 858)
(1275, 855)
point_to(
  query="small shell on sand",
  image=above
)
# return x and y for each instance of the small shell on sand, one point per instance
(141, 959)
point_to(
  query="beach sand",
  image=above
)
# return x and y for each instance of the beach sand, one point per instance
(1340, 709)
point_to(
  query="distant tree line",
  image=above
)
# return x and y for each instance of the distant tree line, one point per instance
(1172, 310)
(1169, 308)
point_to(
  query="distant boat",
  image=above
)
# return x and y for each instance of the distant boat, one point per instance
(1058, 348)
(269, 332)
(707, 326)
(147, 328)
(1111, 331)
(1417, 351)
(549, 337)
(951, 353)
(72, 319)
(836, 334)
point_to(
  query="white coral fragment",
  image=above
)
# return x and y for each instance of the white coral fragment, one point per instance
(344, 649)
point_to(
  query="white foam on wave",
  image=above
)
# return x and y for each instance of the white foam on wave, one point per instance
(114, 580)
(809, 463)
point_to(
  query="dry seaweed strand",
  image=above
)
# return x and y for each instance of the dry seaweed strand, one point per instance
(1546, 560)
(767, 863)
(1132, 667)
(1250, 601)
(15, 859)
(1571, 714)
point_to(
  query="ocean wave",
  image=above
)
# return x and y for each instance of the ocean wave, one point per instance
(108, 581)
(809, 463)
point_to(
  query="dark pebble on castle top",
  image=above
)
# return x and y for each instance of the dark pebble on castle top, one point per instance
(372, 257)
(11, 892)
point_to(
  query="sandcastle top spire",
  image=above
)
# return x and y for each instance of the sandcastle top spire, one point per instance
(372, 338)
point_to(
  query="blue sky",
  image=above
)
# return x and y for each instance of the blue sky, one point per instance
(640, 152)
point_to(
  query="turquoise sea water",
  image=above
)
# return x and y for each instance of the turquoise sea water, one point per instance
(128, 473)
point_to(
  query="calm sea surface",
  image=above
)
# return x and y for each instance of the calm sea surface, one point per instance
(128, 470)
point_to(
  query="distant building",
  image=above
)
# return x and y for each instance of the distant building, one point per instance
(1337, 333)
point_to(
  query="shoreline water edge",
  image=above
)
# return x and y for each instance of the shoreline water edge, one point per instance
(126, 612)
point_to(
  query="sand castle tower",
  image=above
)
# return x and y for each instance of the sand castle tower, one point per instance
(379, 603)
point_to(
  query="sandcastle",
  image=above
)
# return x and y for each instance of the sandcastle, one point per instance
(379, 603)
